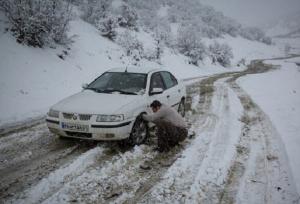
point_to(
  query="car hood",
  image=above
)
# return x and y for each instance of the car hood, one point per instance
(90, 102)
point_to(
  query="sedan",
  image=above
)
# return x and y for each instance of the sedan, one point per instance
(109, 107)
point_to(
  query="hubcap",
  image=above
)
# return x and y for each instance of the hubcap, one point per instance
(181, 110)
(139, 133)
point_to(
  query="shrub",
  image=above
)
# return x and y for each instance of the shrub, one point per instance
(128, 17)
(95, 10)
(38, 22)
(133, 47)
(253, 33)
(107, 27)
(220, 53)
(190, 45)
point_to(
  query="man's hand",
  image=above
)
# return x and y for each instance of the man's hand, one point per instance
(141, 117)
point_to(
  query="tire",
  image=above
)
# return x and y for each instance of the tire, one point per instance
(181, 108)
(139, 132)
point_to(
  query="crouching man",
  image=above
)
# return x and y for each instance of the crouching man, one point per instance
(171, 128)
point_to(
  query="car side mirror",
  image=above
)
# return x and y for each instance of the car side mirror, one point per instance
(155, 91)
(84, 86)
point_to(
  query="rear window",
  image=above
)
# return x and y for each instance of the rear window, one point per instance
(169, 79)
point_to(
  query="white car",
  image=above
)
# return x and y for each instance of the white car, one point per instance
(108, 108)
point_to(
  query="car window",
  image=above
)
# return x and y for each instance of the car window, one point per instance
(169, 79)
(174, 79)
(156, 81)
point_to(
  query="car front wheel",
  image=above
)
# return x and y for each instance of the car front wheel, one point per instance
(181, 108)
(139, 132)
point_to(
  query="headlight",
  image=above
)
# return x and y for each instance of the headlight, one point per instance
(53, 113)
(109, 118)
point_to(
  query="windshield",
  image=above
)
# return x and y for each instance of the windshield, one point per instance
(122, 82)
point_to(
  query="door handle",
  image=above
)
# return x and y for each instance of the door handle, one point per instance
(179, 90)
(168, 96)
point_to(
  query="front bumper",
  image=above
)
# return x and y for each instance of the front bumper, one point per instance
(96, 131)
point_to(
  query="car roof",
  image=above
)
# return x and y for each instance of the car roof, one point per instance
(142, 70)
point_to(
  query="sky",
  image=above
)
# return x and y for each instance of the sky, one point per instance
(255, 12)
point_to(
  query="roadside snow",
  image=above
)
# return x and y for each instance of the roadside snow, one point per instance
(278, 94)
(249, 50)
(105, 180)
(58, 178)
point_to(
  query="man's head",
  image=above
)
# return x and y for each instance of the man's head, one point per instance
(155, 105)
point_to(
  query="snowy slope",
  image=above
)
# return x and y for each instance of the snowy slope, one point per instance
(284, 25)
(32, 79)
(249, 50)
(278, 94)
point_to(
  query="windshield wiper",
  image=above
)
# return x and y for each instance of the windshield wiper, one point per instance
(95, 89)
(120, 91)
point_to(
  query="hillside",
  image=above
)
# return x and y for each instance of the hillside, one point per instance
(284, 27)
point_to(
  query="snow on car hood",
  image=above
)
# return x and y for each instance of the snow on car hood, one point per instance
(90, 102)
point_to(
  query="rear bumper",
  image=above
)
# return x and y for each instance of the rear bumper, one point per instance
(103, 131)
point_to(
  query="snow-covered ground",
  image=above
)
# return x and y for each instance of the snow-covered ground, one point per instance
(244, 148)
(278, 94)
(33, 79)
(234, 156)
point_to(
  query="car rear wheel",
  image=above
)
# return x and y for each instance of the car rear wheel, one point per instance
(139, 132)
(181, 108)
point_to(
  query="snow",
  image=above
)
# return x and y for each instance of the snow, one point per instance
(86, 173)
(208, 158)
(249, 50)
(278, 94)
(32, 79)
(57, 178)
(293, 43)
(163, 11)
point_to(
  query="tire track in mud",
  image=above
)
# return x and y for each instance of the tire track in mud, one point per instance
(67, 171)
(123, 178)
(28, 155)
(201, 118)
(118, 176)
(260, 172)
(263, 160)
(45, 153)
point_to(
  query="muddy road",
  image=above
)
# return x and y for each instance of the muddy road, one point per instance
(227, 158)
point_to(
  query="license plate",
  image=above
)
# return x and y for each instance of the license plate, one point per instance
(75, 127)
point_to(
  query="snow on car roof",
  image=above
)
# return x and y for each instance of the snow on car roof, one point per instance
(143, 70)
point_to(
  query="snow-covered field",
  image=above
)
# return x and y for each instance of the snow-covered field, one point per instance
(235, 155)
(278, 94)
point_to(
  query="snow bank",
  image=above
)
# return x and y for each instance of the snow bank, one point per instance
(249, 50)
(278, 94)
(58, 178)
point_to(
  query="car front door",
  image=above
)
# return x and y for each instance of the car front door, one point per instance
(156, 81)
